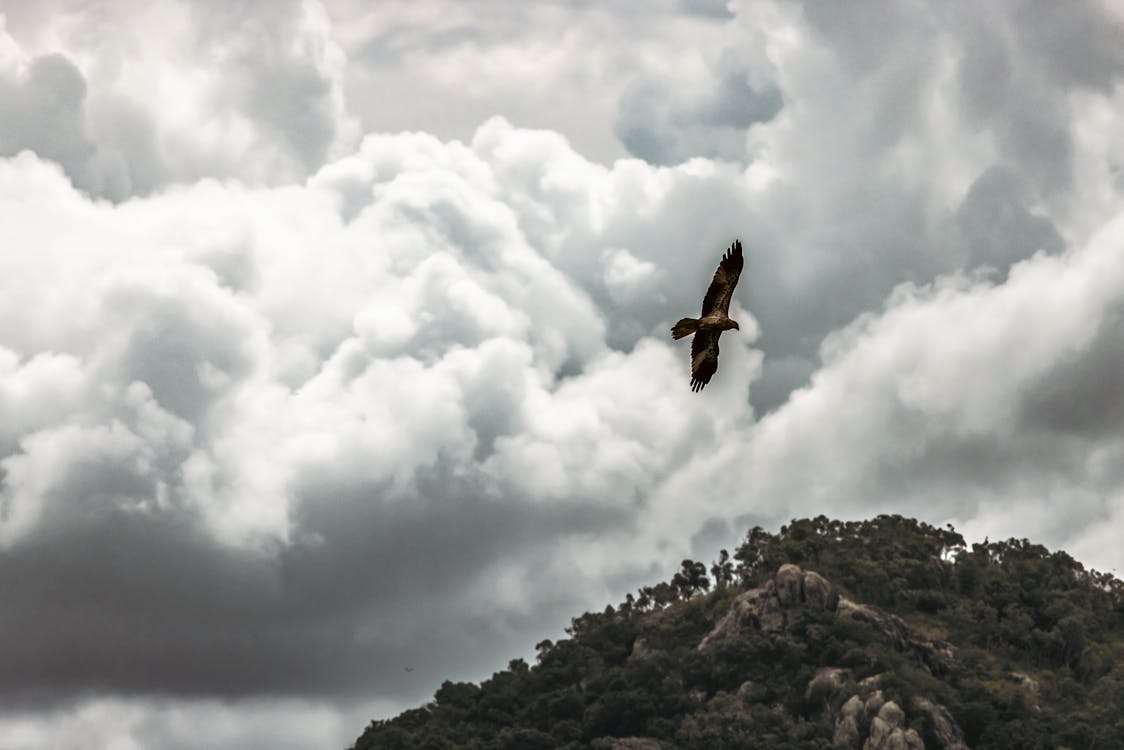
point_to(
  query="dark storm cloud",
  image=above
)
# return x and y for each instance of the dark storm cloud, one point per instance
(144, 601)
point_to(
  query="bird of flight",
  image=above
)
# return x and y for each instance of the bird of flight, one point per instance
(715, 318)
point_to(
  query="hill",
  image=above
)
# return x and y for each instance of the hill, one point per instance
(887, 633)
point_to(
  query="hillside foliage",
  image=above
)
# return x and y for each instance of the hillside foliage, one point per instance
(1038, 642)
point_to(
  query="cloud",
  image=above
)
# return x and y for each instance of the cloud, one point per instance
(964, 401)
(141, 724)
(253, 94)
(662, 127)
(296, 410)
(249, 468)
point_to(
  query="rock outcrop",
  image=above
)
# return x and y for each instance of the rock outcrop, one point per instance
(938, 656)
(945, 728)
(863, 718)
(775, 606)
(888, 731)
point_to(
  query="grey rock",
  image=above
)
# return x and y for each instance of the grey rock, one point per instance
(758, 608)
(790, 585)
(819, 594)
(888, 733)
(852, 707)
(947, 731)
(868, 685)
(892, 714)
(938, 656)
(872, 705)
(641, 650)
(846, 735)
(827, 681)
(746, 691)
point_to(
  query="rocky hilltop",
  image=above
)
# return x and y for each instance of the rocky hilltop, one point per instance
(858, 711)
(882, 635)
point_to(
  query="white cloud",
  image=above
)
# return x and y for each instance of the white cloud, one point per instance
(985, 405)
(115, 724)
(285, 388)
(308, 406)
(129, 98)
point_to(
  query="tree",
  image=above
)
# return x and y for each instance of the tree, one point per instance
(691, 579)
(722, 570)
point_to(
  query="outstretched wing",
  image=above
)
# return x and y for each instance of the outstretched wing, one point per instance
(725, 279)
(704, 358)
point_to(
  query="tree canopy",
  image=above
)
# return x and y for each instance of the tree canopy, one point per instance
(1037, 643)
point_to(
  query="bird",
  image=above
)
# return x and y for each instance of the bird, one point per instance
(715, 318)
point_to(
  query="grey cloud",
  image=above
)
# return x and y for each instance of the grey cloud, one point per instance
(106, 147)
(718, 9)
(46, 113)
(191, 521)
(659, 125)
(1079, 47)
(276, 442)
(179, 724)
(262, 77)
(961, 402)
(276, 72)
(996, 227)
(1082, 394)
(842, 226)
(147, 603)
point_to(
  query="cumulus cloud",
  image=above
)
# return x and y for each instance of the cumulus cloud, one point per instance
(661, 126)
(269, 440)
(252, 92)
(142, 724)
(973, 402)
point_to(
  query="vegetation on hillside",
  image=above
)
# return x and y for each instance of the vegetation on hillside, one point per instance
(1036, 644)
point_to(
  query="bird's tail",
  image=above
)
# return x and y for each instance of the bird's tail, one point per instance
(684, 327)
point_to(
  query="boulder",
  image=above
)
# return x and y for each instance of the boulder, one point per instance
(790, 585)
(819, 594)
(938, 656)
(945, 728)
(775, 606)
(826, 682)
(846, 735)
(887, 731)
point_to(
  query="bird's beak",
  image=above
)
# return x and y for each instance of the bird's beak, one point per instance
(736, 326)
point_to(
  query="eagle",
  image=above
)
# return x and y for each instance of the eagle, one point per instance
(715, 318)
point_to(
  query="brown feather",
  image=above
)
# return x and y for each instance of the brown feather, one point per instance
(704, 358)
(726, 277)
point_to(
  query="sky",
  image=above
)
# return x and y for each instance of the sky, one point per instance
(334, 352)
